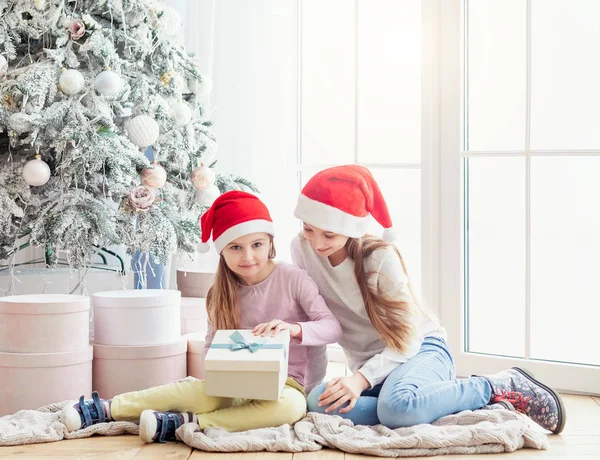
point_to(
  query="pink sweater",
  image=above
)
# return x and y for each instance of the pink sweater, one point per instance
(290, 295)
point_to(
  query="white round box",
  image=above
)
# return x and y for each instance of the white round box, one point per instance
(195, 354)
(118, 370)
(137, 317)
(33, 380)
(44, 323)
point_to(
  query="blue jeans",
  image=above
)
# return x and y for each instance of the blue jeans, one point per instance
(420, 390)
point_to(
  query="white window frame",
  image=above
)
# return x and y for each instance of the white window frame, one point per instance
(572, 378)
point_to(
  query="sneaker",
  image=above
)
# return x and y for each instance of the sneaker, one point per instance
(539, 402)
(161, 426)
(86, 413)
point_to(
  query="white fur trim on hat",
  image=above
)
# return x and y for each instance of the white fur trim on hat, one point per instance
(330, 219)
(245, 228)
(390, 235)
(203, 248)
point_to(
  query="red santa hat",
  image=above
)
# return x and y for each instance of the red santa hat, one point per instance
(342, 200)
(232, 215)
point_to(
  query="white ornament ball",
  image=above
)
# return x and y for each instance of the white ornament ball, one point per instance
(3, 65)
(108, 83)
(19, 122)
(39, 4)
(170, 22)
(142, 130)
(155, 176)
(71, 81)
(201, 87)
(36, 172)
(207, 196)
(202, 177)
(181, 112)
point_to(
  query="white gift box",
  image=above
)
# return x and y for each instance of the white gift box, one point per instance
(136, 317)
(245, 374)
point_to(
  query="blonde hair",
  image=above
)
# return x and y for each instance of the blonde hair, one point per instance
(393, 319)
(222, 302)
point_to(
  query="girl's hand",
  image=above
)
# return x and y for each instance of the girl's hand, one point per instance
(277, 325)
(341, 390)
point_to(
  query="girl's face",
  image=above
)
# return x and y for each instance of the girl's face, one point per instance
(323, 242)
(248, 257)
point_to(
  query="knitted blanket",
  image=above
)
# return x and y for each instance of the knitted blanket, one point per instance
(492, 429)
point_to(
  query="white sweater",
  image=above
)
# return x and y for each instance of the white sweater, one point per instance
(364, 348)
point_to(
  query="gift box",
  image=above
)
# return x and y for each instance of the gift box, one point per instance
(44, 323)
(195, 354)
(194, 284)
(32, 380)
(241, 365)
(194, 317)
(118, 369)
(137, 317)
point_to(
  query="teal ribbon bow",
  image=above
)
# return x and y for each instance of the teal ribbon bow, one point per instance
(239, 343)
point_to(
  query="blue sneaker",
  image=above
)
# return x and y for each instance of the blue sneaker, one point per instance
(86, 413)
(161, 426)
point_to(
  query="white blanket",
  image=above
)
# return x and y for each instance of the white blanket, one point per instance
(489, 430)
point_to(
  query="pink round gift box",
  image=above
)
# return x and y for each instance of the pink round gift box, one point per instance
(136, 317)
(44, 323)
(118, 370)
(33, 380)
(195, 354)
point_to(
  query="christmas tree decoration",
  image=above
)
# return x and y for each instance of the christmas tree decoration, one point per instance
(201, 87)
(108, 83)
(77, 29)
(141, 199)
(19, 122)
(3, 65)
(142, 130)
(170, 22)
(181, 112)
(202, 177)
(155, 176)
(71, 81)
(88, 120)
(207, 196)
(36, 172)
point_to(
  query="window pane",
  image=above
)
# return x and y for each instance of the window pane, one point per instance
(389, 81)
(565, 71)
(497, 77)
(401, 189)
(327, 79)
(565, 249)
(496, 255)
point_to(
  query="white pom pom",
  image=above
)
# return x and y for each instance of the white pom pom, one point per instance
(390, 235)
(203, 248)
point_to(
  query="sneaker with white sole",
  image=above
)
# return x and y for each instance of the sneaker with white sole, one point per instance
(86, 412)
(158, 426)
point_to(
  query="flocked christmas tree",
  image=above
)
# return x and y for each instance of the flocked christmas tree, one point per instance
(86, 86)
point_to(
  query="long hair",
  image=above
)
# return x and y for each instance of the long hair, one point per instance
(222, 302)
(393, 319)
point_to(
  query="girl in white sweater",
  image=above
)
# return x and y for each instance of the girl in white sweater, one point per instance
(403, 371)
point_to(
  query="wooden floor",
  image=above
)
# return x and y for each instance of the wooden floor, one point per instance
(579, 440)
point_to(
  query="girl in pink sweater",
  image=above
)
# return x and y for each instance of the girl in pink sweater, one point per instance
(250, 291)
